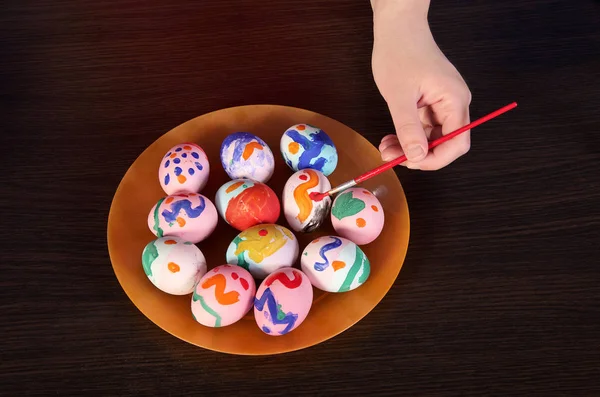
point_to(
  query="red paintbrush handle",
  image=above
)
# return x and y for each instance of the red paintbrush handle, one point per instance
(432, 144)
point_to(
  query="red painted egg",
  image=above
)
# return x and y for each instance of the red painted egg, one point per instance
(243, 203)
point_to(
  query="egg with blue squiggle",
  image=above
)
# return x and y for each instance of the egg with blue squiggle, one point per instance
(335, 264)
(190, 216)
(282, 301)
(244, 155)
(263, 249)
(305, 146)
(184, 168)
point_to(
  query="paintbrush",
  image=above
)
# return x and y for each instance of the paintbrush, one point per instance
(316, 196)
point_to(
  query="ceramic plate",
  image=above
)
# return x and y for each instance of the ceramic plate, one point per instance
(331, 313)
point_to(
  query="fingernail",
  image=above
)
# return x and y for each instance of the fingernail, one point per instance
(415, 152)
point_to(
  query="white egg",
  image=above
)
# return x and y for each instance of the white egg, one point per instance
(302, 213)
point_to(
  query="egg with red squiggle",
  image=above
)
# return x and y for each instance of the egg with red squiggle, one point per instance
(173, 265)
(190, 216)
(184, 168)
(335, 264)
(302, 213)
(283, 301)
(357, 215)
(243, 203)
(223, 296)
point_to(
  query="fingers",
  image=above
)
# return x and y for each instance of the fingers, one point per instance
(409, 130)
(446, 153)
(390, 148)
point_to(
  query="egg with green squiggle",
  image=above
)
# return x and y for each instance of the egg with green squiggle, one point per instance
(223, 296)
(335, 264)
(357, 215)
(173, 265)
(262, 249)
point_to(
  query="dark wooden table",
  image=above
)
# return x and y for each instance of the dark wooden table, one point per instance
(500, 291)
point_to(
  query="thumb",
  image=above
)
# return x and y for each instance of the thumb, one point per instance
(410, 131)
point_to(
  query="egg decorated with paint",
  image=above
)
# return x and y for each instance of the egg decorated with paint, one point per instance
(282, 301)
(335, 264)
(243, 203)
(244, 155)
(262, 249)
(173, 265)
(190, 216)
(302, 213)
(223, 296)
(305, 146)
(183, 169)
(357, 215)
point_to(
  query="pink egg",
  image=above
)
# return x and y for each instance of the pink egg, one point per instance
(184, 168)
(283, 301)
(335, 264)
(357, 215)
(223, 296)
(190, 216)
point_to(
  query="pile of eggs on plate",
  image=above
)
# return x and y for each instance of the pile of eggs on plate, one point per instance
(262, 250)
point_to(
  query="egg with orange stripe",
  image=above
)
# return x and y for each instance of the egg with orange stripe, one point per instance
(184, 168)
(223, 296)
(173, 265)
(302, 213)
(335, 264)
(244, 155)
(190, 216)
(243, 203)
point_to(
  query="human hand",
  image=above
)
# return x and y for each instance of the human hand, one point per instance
(426, 95)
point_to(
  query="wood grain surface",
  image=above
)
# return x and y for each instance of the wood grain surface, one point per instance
(500, 291)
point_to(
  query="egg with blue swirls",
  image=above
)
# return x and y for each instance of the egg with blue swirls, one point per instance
(244, 155)
(304, 146)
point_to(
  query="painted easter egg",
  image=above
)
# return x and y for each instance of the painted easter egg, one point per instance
(357, 215)
(244, 155)
(262, 249)
(183, 169)
(302, 213)
(243, 203)
(335, 264)
(223, 296)
(190, 216)
(173, 265)
(282, 301)
(304, 146)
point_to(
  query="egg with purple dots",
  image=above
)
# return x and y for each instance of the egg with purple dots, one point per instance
(335, 264)
(282, 301)
(173, 265)
(244, 155)
(190, 216)
(184, 168)
(357, 215)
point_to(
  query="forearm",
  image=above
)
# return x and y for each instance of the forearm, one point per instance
(401, 22)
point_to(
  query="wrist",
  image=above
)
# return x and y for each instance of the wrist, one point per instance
(405, 9)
